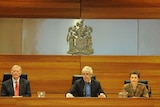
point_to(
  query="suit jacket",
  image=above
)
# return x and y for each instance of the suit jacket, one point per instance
(8, 89)
(77, 88)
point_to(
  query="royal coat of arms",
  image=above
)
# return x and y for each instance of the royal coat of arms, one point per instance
(80, 39)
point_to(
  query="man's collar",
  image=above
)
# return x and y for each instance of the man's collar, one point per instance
(15, 80)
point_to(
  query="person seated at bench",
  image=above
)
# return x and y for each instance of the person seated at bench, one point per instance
(134, 88)
(86, 87)
(16, 86)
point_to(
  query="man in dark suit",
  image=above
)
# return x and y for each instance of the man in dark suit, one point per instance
(16, 86)
(79, 88)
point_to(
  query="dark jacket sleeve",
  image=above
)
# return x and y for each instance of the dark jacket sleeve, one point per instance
(25, 88)
(96, 88)
(7, 88)
(77, 89)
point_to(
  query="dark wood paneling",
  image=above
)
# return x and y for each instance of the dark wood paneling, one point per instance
(86, 9)
(52, 74)
(40, 8)
(79, 102)
(111, 71)
(120, 9)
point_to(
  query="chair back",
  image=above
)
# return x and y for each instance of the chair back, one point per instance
(7, 76)
(76, 77)
(145, 82)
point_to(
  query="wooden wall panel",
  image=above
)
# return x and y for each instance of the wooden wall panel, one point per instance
(40, 8)
(79, 102)
(120, 9)
(111, 71)
(86, 9)
(52, 74)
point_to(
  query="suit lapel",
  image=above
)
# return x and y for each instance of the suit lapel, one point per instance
(11, 87)
(81, 87)
(92, 87)
(20, 86)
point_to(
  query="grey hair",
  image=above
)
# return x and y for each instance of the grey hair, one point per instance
(87, 68)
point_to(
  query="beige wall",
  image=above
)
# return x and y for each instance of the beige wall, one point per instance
(10, 36)
(35, 36)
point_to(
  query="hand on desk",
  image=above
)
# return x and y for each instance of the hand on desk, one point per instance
(17, 96)
(69, 95)
(101, 95)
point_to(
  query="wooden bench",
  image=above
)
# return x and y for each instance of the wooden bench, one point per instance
(53, 73)
(113, 70)
(79, 102)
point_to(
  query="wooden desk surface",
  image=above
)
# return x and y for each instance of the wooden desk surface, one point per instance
(79, 102)
(109, 95)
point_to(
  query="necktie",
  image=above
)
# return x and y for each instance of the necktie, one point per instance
(16, 93)
(88, 89)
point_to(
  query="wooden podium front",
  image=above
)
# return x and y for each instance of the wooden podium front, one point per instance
(79, 102)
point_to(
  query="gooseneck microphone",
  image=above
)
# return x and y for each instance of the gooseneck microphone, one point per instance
(84, 90)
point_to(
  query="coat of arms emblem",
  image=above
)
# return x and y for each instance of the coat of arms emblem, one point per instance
(80, 39)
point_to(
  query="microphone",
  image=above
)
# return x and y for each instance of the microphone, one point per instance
(84, 90)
